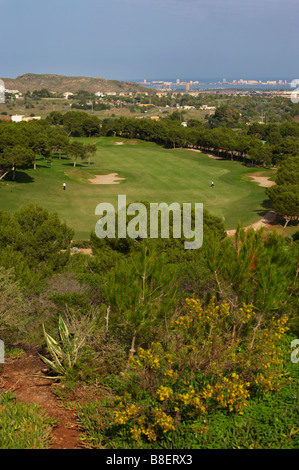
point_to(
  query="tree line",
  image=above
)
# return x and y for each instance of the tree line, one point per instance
(22, 143)
(259, 144)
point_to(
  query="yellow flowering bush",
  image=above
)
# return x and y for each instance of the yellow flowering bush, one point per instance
(230, 393)
(213, 358)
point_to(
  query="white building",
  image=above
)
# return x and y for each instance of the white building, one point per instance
(67, 94)
(17, 118)
(206, 107)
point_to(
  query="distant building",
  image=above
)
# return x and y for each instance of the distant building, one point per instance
(205, 107)
(155, 118)
(31, 118)
(184, 124)
(20, 118)
(67, 94)
(17, 118)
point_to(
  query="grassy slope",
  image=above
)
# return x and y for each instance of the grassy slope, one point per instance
(152, 173)
(62, 83)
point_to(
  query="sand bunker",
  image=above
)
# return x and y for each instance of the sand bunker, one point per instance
(118, 143)
(268, 220)
(262, 181)
(214, 157)
(112, 178)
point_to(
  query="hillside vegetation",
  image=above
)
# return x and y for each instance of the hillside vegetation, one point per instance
(61, 83)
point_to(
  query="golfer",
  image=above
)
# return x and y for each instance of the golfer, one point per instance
(64, 186)
(212, 185)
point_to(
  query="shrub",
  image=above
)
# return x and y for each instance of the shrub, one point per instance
(15, 312)
(215, 358)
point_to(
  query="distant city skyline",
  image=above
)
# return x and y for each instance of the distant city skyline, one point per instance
(137, 39)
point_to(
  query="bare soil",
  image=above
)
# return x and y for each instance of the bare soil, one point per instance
(267, 221)
(112, 178)
(262, 180)
(214, 157)
(25, 378)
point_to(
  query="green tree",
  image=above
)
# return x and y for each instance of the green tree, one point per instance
(34, 242)
(285, 201)
(58, 141)
(73, 122)
(288, 172)
(76, 150)
(254, 268)
(285, 194)
(139, 292)
(55, 118)
(14, 308)
(40, 146)
(90, 150)
(91, 126)
(18, 156)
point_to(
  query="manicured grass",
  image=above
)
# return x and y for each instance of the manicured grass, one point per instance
(151, 173)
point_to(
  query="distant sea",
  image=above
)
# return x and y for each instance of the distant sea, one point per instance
(211, 84)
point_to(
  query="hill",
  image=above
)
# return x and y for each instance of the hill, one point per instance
(61, 84)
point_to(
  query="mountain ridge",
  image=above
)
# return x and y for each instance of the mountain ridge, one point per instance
(62, 83)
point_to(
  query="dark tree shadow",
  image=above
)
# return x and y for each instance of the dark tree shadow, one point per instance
(72, 164)
(62, 157)
(266, 205)
(21, 177)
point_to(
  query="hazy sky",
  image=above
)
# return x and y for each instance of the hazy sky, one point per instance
(137, 39)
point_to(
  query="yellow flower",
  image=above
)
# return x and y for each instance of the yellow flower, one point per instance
(164, 392)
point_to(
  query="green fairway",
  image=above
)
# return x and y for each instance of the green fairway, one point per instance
(151, 173)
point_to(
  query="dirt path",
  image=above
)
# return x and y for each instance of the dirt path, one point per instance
(19, 376)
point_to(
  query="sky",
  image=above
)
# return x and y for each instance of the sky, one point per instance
(150, 39)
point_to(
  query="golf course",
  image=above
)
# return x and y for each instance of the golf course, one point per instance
(148, 172)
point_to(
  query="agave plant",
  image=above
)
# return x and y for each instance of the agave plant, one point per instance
(64, 355)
